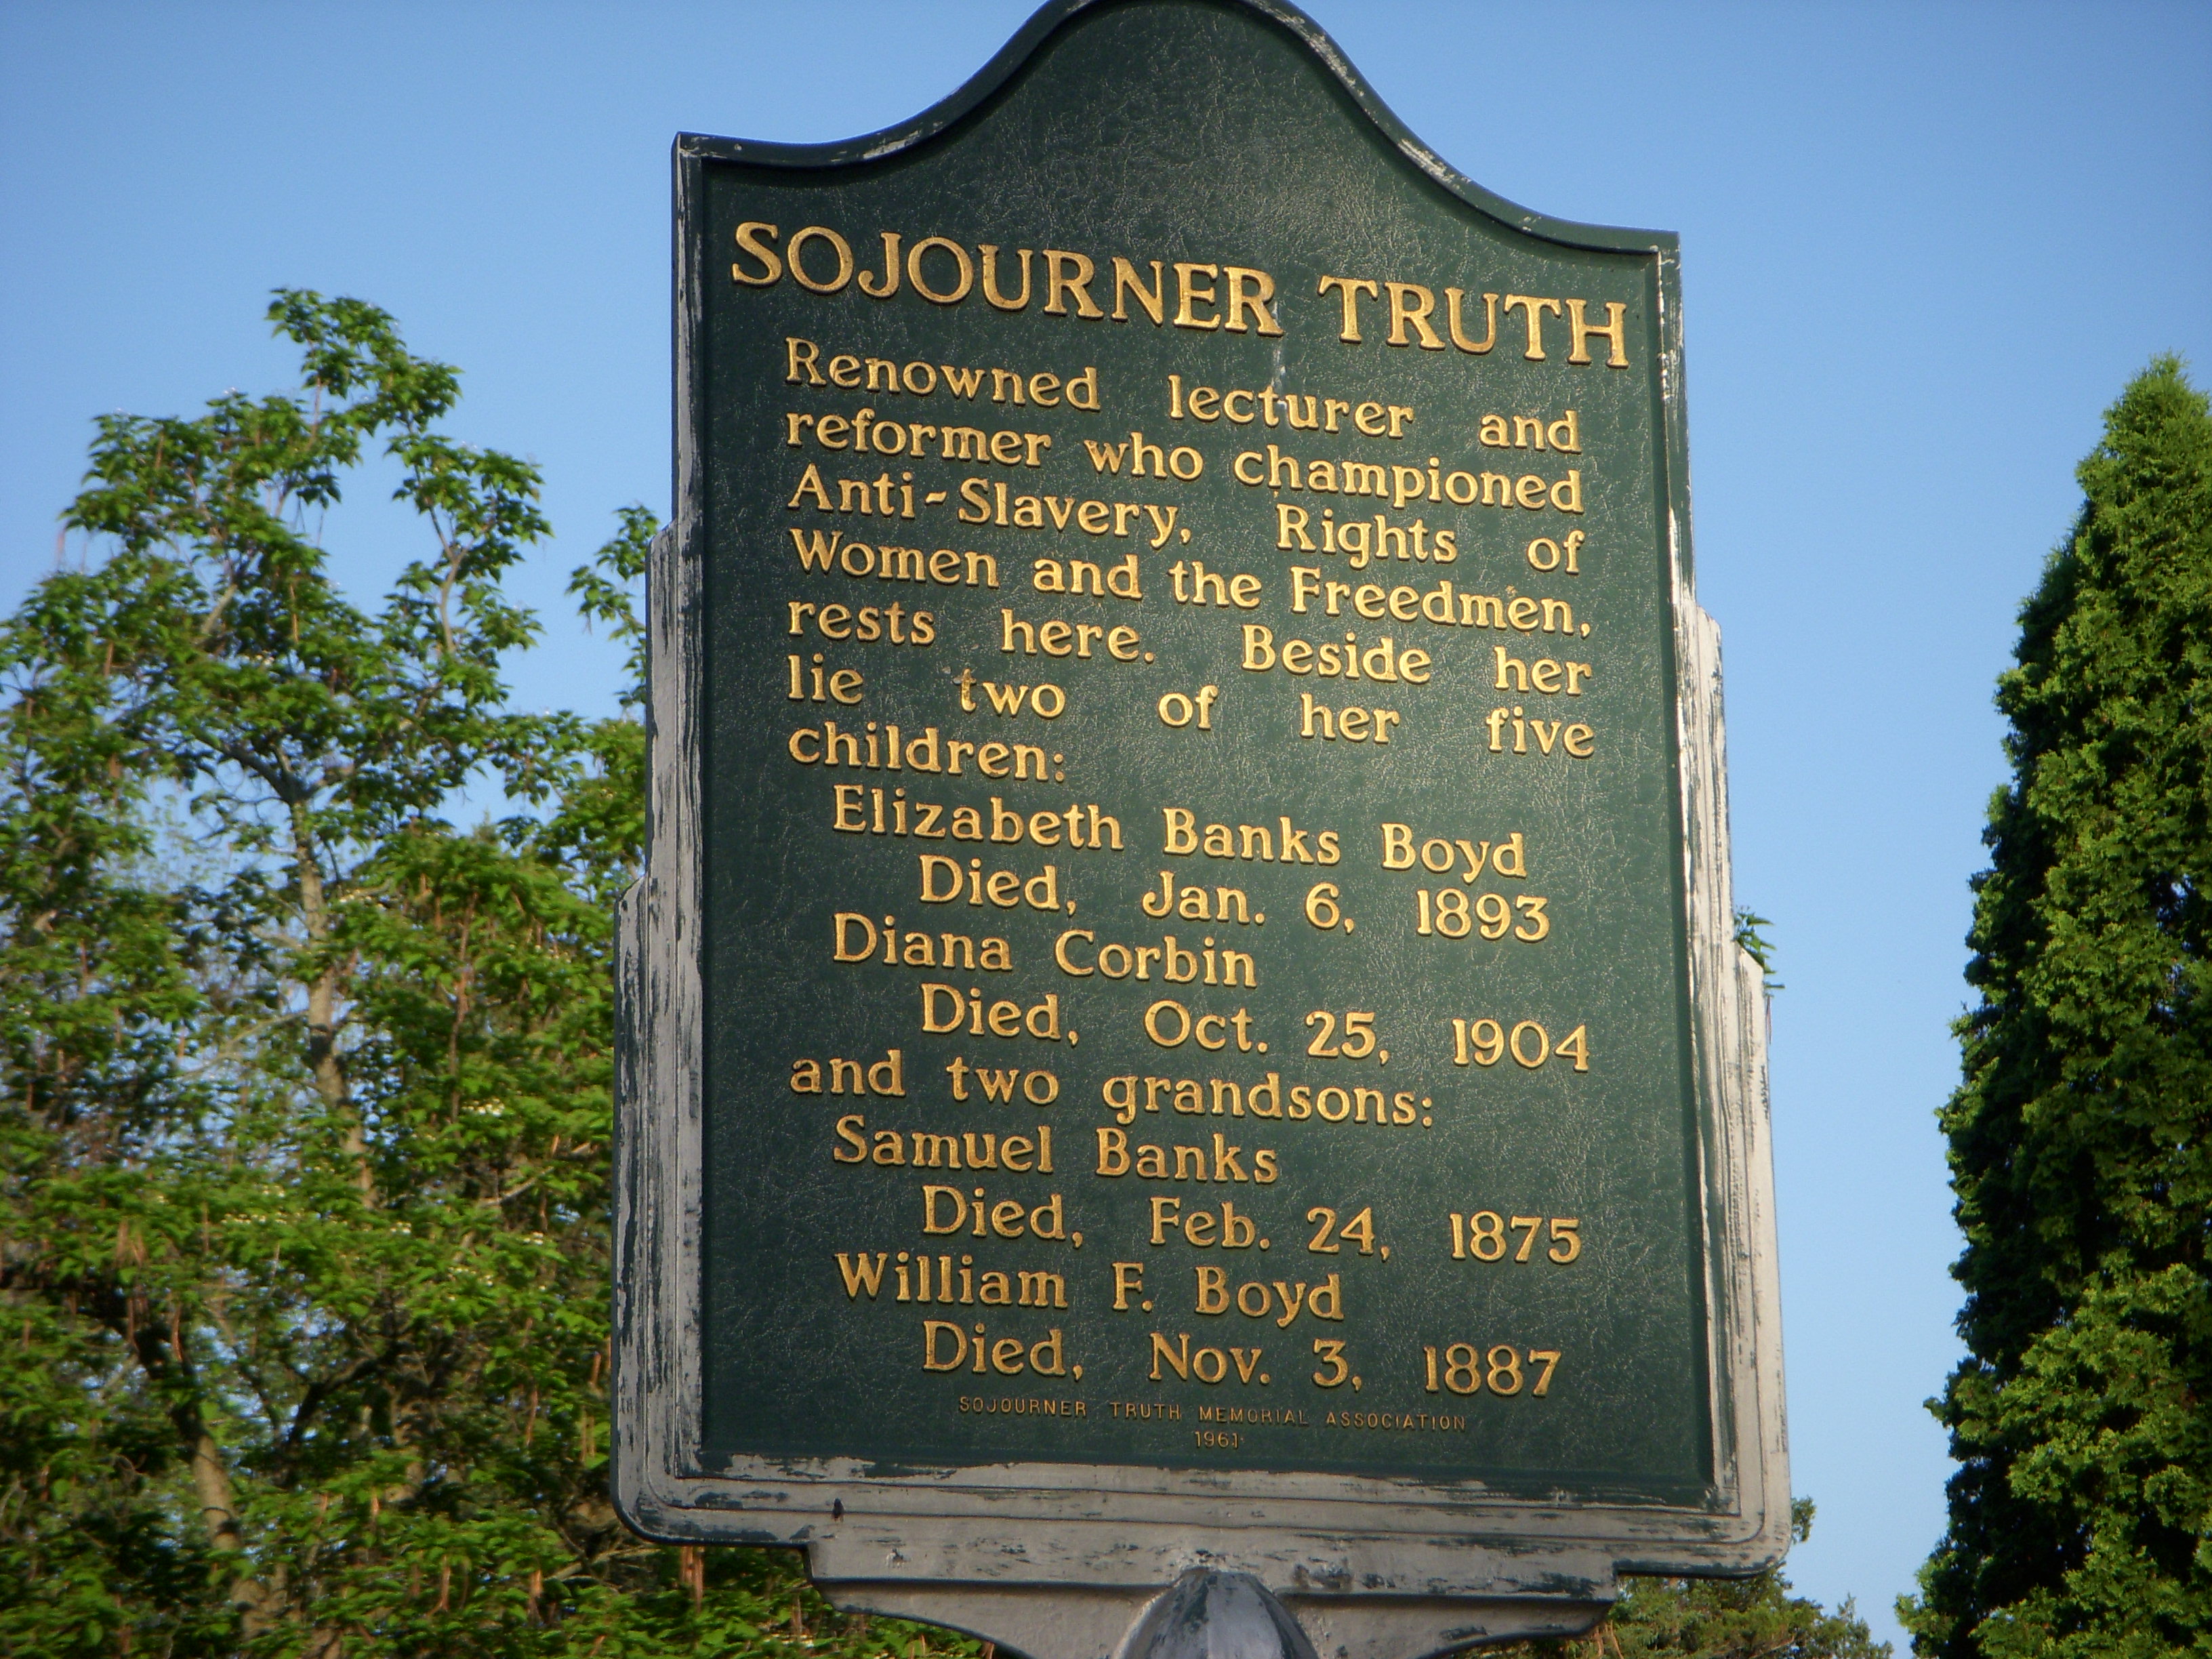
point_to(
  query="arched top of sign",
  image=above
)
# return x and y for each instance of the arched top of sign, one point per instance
(1017, 55)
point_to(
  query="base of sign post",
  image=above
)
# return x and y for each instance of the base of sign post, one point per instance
(1208, 1613)
(1214, 1613)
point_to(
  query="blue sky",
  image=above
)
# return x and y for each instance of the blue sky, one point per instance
(1923, 247)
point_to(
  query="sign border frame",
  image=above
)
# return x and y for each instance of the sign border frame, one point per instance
(1006, 1525)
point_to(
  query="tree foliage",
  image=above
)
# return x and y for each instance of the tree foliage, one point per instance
(2081, 1516)
(304, 1091)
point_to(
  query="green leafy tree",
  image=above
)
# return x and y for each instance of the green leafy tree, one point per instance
(2081, 1516)
(304, 1091)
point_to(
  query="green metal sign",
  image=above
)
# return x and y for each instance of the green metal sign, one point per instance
(1183, 1007)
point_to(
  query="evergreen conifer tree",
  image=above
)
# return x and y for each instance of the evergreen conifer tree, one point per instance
(2080, 1517)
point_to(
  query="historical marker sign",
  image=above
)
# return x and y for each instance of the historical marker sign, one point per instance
(1183, 1005)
